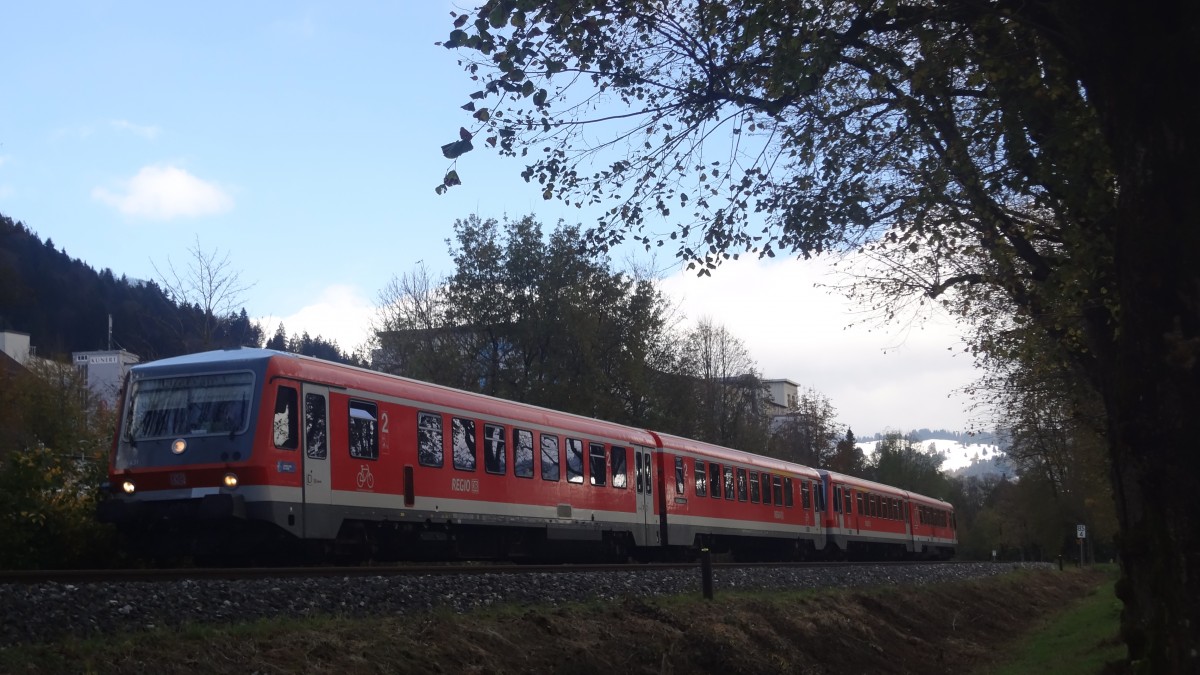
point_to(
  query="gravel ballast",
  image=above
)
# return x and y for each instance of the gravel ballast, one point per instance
(32, 613)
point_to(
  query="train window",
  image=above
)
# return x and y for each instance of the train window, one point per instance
(462, 433)
(849, 501)
(701, 478)
(495, 449)
(904, 508)
(364, 430)
(287, 418)
(766, 488)
(741, 484)
(550, 457)
(804, 499)
(574, 460)
(714, 479)
(778, 483)
(788, 499)
(640, 480)
(895, 509)
(729, 493)
(620, 472)
(596, 473)
(430, 448)
(837, 498)
(680, 475)
(819, 496)
(316, 434)
(754, 493)
(859, 499)
(522, 453)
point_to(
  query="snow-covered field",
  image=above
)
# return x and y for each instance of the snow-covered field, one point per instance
(957, 455)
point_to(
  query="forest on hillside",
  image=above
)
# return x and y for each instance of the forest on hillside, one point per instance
(65, 305)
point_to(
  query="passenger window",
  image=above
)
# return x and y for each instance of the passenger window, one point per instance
(523, 453)
(729, 490)
(430, 451)
(574, 460)
(859, 501)
(287, 418)
(754, 493)
(596, 473)
(714, 479)
(620, 472)
(779, 491)
(638, 459)
(463, 436)
(741, 485)
(550, 457)
(701, 478)
(316, 431)
(848, 503)
(788, 500)
(364, 430)
(766, 488)
(679, 475)
(495, 449)
(804, 498)
(837, 498)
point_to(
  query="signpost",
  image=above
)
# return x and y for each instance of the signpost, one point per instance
(1081, 534)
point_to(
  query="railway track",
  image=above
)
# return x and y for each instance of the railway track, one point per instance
(236, 573)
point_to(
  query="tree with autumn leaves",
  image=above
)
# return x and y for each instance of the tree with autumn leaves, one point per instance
(1040, 155)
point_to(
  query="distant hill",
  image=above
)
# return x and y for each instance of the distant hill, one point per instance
(960, 459)
(64, 305)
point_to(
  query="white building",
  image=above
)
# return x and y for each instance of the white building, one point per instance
(16, 345)
(105, 371)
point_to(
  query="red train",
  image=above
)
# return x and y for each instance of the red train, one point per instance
(253, 449)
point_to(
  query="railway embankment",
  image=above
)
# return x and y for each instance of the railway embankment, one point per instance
(871, 618)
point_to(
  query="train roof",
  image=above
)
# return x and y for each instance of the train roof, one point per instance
(723, 454)
(872, 486)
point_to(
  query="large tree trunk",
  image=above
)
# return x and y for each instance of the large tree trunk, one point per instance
(1143, 64)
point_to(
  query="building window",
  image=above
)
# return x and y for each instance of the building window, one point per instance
(430, 451)
(574, 460)
(550, 457)
(596, 472)
(462, 433)
(523, 453)
(364, 430)
(495, 449)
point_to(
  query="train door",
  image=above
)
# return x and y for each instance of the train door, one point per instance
(643, 468)
(318, 519)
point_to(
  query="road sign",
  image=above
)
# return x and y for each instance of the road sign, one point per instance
(1081, 531)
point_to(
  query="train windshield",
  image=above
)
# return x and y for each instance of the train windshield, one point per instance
(195, 405)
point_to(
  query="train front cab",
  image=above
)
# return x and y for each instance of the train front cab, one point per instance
(191, 468)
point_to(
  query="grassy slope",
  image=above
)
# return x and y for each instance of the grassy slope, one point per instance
(958, 628)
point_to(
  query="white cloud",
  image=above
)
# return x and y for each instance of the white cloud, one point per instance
(147, 132)
(340, 313)
(166, 192)
(876, 377)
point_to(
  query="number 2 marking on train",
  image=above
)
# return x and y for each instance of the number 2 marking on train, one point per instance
(385, 422)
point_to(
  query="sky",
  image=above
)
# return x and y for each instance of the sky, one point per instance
(303, 141)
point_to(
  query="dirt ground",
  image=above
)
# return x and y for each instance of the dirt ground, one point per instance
(954, 629)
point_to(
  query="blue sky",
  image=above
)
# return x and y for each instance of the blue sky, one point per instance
(304, 141)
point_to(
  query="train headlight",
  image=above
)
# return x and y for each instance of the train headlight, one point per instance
(179, 446)
(231, 480)
(128, 487)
